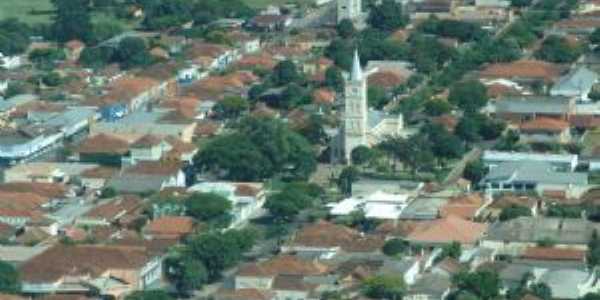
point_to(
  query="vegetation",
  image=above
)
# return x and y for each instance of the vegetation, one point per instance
(483, 284)
(259, 148)
(149, 295)
(394, 247)
(384, 287)
(559, 50)
(387, 16)
(9, 279)
(14, 36)
(474, 171)
(291, 200)
(514, 211)
(209, 208)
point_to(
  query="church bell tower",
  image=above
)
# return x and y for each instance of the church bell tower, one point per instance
(356, 110)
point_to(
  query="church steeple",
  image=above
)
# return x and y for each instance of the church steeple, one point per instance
(356, 68)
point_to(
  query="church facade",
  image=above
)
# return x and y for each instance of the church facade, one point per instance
(360, 125)
(349, 9)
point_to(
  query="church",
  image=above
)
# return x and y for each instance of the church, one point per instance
(361, 125)
(351, 10)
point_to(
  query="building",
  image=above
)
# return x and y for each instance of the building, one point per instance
(447, 230)
(10, 62)
(545, 130)
(148, 176)
(326, 240)
(80, 269)
(169, 227)
(378, 205)
(567, 162)
(524, 108)
(512, 237)
(361, 125)
(48, 172)
(577, 83)
(262, 275)
(111, 212)
(349, 9)
(534, 176)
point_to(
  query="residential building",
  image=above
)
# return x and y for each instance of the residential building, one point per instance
(326, 240)
(545, 130)
(269, 22)
(567, 162)
(148, 176)
(48, 172)
(379, 205)
(169, 227)
(531, 176)
(447, 230)
(110, 212)
(577, 83)
(10, 61)
(513, 236)
(247, 199)
(101, 148)
(441, 9)
(262, 275)
(79, 269)
(524, 108)
(524, 72)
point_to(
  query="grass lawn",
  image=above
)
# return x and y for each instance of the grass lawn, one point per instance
(22, 9)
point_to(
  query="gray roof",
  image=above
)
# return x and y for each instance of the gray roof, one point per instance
(579, 79)
(423, 208)
(533, 104)
(533, 172)
(432, 285)
(15, 101)
(532, 229)
(564, 283)
(133, 183)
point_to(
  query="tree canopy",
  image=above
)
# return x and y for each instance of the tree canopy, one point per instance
(72, 20)
(470, 95)
(209, 207)
(483, 284)
(384, 287)
(514, 211)
(259, 148)
(149, 295)
(287, 203)
(387, 16)
(14, 36)
(9, 279)
(558, 49)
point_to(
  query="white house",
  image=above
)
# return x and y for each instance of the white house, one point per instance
(378, 205)
(10, 62)
(561, 161)
(577, 83)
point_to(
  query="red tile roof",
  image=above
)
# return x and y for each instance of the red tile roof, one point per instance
(323, 96)
(147, 141)
(543, 124)
(386, 79)
(550, 253)
(49, 190)
(465, 207)
(104, 144)
(173, 226)
(324, 234)
(154, 168)
(115, 208)
(522, 69)
(62, 260)
(447, 230)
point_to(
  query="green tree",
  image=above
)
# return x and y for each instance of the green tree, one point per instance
(231, 107)
(394, 247)
(474, 171)
(285, 72)
(348, 176)
(334, 79)
(9, 279)
(437, 107)
(14, 36)
(361, 155)
(376, 97)
(13, 89)
(593, 253)
(96, 57)
(514, 211)
(149, 295)
(133, 52)
(313, 129)
(558, 49)
(345, 29)
(340, 51)
(46, 58)
(387, 16)
(208, 207)
(285, 205)
(52, 79)
(541, 290)
(186, 273)
(384, 287)
(105, 30)
(483, 284)
(72, 20)
(293, 96)
(468, 128)
(594, 38)
(220, 250)
(443, 144)
(452, 250)
(470, 95)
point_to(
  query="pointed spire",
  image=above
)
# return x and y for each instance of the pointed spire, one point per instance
(356, 68)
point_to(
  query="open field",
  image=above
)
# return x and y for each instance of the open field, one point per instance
(22, 9)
